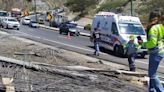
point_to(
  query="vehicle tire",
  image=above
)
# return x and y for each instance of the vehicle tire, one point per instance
(116, 50)
(143, 55)
(6, 27)
(60, 32)
(119, 51)
(101, 49)
(122, 54)
(77, 34)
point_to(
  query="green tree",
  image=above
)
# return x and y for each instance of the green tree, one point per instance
(148, 6)
(80, 5)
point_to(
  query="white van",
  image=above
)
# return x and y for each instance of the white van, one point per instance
(115, 30)
(3, 14)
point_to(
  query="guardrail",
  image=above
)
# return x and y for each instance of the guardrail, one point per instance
(57, 29)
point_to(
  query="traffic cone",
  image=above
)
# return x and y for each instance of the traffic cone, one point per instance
(68, 35)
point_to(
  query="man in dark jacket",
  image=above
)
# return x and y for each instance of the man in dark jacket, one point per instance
(96, 39)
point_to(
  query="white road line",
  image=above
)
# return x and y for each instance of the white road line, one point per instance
(147, 63)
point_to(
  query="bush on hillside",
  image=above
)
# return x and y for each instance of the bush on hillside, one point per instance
(87, 27)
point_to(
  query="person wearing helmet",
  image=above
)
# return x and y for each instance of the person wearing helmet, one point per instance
(131, 47)
(154, 44)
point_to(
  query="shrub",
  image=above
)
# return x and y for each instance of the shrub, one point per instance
(87, 27)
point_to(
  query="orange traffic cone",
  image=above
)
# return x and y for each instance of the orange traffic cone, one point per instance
(68, 35)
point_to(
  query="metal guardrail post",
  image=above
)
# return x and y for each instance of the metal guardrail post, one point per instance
(35, 10)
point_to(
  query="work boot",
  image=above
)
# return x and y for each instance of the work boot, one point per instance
(97, 54)
(133, 69)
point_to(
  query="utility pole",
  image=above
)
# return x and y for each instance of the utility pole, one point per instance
(35, 10)
(131, 9)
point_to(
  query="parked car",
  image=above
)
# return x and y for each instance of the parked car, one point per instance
(40, 21)
(10, 22)
(33, 24)
(1, 23)
(69, 27)
(26, 21)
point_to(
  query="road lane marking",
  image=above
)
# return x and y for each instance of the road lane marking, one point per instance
(147, 63)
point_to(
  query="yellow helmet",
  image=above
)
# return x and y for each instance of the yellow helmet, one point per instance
(131, 37)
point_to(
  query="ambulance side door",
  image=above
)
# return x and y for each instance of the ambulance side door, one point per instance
(114, 33)
(104, 30)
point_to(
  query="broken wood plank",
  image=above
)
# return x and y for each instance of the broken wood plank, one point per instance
(67, 73)
(138, 74)
(25, 53)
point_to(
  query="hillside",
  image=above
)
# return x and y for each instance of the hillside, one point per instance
(54, 3)
(140, 8)
(8, 4)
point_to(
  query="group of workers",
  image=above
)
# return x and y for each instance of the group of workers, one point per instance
(154, 44)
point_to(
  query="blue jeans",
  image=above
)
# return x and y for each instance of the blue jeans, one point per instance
(131, 60)
(97, 50)
(154, 83)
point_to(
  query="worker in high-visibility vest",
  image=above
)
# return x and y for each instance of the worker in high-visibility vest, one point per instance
(50, 17)
(154, 44)
(26, 13)
(131, 48)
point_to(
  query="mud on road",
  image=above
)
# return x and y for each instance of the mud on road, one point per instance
(29, 79)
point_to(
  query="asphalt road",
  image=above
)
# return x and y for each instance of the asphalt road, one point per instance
(79, 44)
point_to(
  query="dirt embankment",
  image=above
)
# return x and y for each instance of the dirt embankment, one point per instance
(69, 70)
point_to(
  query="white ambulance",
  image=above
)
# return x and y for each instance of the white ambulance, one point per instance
(115, 30)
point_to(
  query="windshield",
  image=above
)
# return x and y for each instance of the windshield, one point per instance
(33, 22)
(13, 20)
(4, 14)
(129, 28)
(27, 19)
(71, 25)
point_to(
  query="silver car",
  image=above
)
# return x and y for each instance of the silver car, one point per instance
(26, 21)
(10, 22)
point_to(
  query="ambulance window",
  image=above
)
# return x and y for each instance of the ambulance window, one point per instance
(114, 29)
(98, 24)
